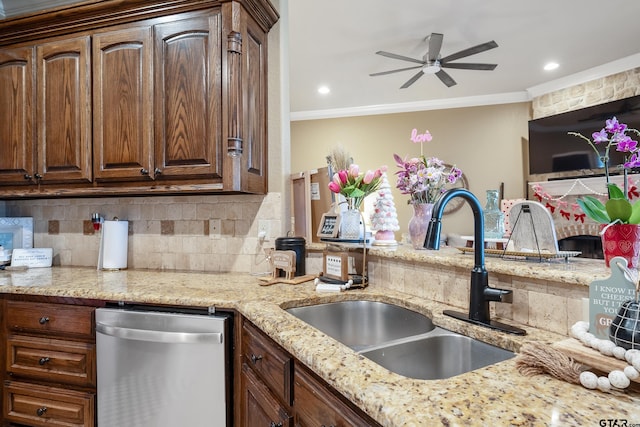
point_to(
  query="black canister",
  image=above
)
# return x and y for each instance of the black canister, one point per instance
(296, 244)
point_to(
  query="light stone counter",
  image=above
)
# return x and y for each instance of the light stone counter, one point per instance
(497, 395)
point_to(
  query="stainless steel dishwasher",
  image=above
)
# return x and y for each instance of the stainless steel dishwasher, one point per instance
(162, 369)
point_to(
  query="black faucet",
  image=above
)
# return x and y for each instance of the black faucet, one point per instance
(479, 292)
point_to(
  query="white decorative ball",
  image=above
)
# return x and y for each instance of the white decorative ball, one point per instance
(630, 354)
(582, 325)
(631, 372)
(595, 343)
(587, 338)
(589, 380)
(606, 347)
(635, 362)
(619, 352)
(618, 379)
(604, 384)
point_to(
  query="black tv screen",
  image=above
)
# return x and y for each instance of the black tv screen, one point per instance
(552, 149)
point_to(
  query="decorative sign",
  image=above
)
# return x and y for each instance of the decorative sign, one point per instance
(39, 257)
(606, 296)
(329, 225)
(283, 261)
(336, 265)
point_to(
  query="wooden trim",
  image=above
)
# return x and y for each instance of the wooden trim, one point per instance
(92, 15)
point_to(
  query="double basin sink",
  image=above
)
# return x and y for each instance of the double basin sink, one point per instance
(401, 340)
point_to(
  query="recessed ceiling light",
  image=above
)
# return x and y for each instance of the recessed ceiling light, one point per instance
(551, 66)
(323, 90)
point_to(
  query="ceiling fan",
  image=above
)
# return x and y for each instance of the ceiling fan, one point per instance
(432, 63)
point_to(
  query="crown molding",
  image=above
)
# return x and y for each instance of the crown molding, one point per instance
(436, 104)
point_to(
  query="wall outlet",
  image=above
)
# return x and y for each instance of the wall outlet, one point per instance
(215, 229)
(264, 229)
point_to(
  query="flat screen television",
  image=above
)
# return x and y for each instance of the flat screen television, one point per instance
(552, 150)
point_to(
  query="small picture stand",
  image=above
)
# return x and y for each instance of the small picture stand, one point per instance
(329, 225)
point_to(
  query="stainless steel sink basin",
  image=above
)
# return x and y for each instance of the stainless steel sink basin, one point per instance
(401, 340)
(441, 355)
(361, 324)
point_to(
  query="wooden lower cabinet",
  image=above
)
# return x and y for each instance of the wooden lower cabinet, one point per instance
(276, 390)
(48, 363)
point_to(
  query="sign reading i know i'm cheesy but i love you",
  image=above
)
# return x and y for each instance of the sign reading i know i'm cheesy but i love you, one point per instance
(606, 296)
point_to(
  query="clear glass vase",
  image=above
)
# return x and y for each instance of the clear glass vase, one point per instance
(493, 216)
(350, 220)
(419, 223)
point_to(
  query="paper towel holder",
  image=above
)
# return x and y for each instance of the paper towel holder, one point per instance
(113, 249)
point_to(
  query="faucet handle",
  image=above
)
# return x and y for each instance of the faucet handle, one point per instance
(499, 295)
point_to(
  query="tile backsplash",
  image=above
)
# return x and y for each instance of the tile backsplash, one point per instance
(215, 233)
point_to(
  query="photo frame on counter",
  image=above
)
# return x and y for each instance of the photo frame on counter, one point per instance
(329, 225)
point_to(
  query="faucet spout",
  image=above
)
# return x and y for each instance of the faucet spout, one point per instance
(480, 293)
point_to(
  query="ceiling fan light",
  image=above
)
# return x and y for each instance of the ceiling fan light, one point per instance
(431, 67)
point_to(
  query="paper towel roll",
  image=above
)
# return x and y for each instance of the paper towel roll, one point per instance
(115, 239)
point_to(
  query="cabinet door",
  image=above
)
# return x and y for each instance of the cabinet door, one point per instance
(259, 407)
(123, 99)
(17, 156)
(188, 98)
(64, 110)
(315, 405)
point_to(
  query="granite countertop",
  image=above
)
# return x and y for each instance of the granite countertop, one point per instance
(495, 395)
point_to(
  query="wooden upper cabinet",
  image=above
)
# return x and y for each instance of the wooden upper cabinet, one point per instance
(17, 154)
(254, 170)
(64, 110)
(188, 87)
(123, 104)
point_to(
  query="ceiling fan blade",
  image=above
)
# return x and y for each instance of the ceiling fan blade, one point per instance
(470, 51)
(468, 66)
(435, 44)
(412, 80)
(400, 57)
(446, 78)
(382, 73)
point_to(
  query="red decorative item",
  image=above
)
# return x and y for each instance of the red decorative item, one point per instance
(621, 240)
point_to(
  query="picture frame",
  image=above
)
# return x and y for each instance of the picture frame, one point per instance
(329, 225)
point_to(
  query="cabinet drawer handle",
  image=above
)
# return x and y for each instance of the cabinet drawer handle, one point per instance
(255, 358)
(274, 424)
(144, 171)
(38, 176)
(43, 360)
(157, 171)
(43, 320)
(28, 177)
(41, 411)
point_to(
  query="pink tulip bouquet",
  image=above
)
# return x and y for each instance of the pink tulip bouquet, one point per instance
(356, 185)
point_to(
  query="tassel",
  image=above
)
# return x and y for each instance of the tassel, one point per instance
(536, 359)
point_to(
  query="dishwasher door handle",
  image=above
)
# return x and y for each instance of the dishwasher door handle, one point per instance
(159, 336)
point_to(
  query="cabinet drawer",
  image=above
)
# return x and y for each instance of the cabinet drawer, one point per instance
(37, 405)
(50, 318)
(270, 361)
(52, 360)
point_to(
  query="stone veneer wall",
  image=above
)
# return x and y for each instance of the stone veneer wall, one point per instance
(599, 91)
(196, 233)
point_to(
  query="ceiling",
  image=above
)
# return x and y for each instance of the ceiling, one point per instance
(333, 43)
